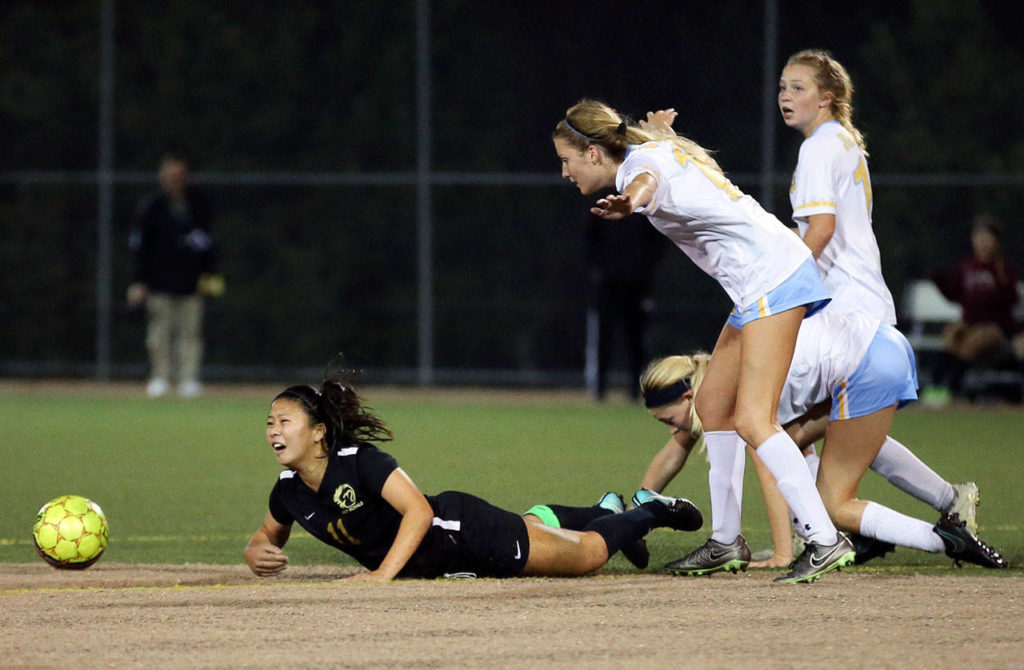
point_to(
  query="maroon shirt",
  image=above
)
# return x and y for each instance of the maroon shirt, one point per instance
(986, 294)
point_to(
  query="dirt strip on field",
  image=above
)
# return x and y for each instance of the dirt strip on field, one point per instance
(207, 616)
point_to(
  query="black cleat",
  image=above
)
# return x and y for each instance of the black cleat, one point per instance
(869, 548)
(675, 513)
(962, 546)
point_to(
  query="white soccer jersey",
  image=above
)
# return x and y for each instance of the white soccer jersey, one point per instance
(725, 232)
(828, 349)
(832, 177)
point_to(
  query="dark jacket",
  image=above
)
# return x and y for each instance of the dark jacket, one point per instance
(171, 249)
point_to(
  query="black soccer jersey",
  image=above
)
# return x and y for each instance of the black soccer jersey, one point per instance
(467, 535)
(348, 511)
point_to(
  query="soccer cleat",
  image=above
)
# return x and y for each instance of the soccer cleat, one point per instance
(869, 548)
(636, 553)
(818, 559)
(961, 545)
(965, 505)
(643, 495)
(612, 502)
(711, 557)
(675, 513)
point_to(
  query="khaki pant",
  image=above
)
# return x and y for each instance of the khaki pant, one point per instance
(174, 336)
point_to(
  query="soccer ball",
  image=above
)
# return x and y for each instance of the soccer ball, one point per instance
(70, 532)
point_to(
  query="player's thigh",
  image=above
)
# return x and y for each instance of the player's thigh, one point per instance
(766, 351)
(716, 401)
(557, 551)
(851, 446)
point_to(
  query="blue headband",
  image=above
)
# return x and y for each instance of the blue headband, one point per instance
(587, 138)
(666, 395)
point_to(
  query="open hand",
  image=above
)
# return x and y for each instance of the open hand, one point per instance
(613, 207)
(659, 123)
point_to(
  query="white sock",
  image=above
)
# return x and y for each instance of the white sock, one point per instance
(811, 457)
(782, 457)
(813, 461)
(726, 455)
(889, 525)
(908, 473)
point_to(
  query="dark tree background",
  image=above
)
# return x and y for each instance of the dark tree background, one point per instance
(330, 88)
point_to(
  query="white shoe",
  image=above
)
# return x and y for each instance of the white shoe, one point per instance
(157, 387)
(190, 389)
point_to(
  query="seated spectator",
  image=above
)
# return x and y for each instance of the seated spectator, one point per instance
(985, 286)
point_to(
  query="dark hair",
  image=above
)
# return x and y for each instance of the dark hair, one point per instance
(337, 405)
(986, 221)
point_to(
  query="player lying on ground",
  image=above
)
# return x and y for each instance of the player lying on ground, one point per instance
(349, 494)
(867, 370)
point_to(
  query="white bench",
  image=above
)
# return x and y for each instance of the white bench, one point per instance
(925, 311)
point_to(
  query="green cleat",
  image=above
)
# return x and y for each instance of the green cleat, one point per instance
(818, 559)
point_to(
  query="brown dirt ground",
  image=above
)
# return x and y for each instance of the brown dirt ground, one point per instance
(208, 616)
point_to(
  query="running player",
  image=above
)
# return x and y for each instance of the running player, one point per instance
(349, 494)
(766, 271)
(867, 371)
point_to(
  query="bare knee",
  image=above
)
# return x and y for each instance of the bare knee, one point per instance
(755, 425)
(595, 552)
(713, 413)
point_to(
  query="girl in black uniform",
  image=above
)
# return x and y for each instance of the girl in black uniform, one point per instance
(349, 494)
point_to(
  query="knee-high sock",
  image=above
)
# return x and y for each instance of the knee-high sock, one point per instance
(572, 518)
(781, 455)
(889, 525)
(621, 530)
(725, 479)
(812, 460)
(908, 473)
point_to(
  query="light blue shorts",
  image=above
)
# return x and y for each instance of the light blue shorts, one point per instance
(803, 287)
(886, 375)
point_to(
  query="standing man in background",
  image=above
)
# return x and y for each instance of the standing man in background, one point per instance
(622, 257)
(175, 267)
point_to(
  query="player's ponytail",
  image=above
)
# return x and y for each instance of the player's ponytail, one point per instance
(593, 122)
(348, 421)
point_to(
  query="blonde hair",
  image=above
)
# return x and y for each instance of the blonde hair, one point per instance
(593, 122)
(664, 372)
(831, 76)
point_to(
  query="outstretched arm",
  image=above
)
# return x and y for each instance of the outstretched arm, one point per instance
(401, 493)
(638, 193)
(667, 463)
(263, 553)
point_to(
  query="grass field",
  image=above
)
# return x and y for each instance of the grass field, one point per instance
(187, 481)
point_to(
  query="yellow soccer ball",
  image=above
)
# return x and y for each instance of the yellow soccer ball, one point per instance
(70, 532)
